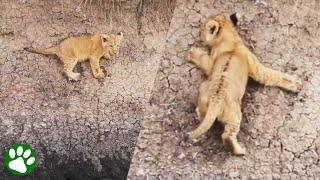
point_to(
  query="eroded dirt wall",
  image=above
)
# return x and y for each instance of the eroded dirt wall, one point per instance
(85, 129)
(280, 130)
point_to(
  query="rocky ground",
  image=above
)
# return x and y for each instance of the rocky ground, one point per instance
(85, 129)
(280, 130)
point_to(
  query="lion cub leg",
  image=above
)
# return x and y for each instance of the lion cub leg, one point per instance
(95, 66)
(272, 77)
(201, 58)
(231, 120)
(68, 67)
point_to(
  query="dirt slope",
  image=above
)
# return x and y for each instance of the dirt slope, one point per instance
(280, 130)
(86, 129)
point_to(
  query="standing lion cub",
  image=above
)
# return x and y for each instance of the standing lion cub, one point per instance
(77, 49)
(228, 66)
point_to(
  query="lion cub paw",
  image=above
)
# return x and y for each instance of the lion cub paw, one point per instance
(232, 143)
(298, 85)
(239, 151)
(189, 54)
(99, 75)
(75, 77)
(295, 85)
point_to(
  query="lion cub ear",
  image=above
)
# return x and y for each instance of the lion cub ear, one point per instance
(236, 18)
(119, 36)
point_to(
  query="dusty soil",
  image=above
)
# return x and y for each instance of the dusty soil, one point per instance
(280, 130)
(85, 129)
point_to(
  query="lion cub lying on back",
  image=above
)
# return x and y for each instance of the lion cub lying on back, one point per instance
(78, 49)
(228, 66)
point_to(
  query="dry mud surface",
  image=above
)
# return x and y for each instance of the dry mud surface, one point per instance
(85, 129)
(280, 130)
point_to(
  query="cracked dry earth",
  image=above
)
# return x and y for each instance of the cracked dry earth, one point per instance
(85, 129)
(280, 130)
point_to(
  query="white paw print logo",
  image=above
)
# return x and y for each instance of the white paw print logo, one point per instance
(20, 159)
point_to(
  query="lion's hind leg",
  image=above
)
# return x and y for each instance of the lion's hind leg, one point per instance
(68, 67)
(231, 119)
(271, 77)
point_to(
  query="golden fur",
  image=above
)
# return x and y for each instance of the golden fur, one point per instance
(228, 65)
(77, 49)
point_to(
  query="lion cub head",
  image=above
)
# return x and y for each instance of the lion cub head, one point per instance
(219, 29)
(111, 42)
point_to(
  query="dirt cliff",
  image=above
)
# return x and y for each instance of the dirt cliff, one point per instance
(280, 130)
(85, 129)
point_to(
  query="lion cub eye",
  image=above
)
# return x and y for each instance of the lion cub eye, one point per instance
(212, 29)
(104, 39)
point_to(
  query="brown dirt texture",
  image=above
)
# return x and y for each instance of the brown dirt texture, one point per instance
(85, 129)
(280, 130)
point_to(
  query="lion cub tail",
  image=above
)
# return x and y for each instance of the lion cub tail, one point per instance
(49, 51)
(214, 109)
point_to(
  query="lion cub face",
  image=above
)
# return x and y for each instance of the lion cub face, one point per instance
(111, 42)
(217, 27)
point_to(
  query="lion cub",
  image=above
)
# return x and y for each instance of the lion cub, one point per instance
(80, 48)
(228, 66)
